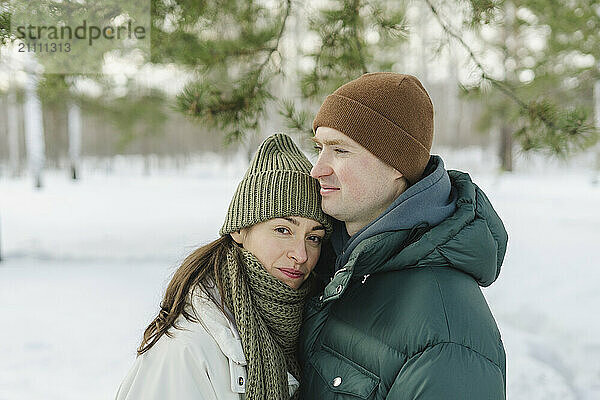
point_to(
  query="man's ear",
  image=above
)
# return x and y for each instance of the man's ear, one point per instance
(402, 181)
(238, 237)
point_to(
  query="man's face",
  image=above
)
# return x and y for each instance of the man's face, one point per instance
(356, 186)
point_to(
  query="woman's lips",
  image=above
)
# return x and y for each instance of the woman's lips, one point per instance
(292, 273)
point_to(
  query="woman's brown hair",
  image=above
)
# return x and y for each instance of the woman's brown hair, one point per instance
(202, 263)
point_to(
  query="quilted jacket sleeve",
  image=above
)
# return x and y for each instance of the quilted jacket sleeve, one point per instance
(448, 371)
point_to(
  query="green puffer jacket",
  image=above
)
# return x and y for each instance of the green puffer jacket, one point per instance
(405, 318)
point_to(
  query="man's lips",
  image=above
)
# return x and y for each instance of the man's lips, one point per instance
(328, 189)
(292, 273)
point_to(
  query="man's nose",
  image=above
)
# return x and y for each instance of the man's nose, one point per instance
(321, 168)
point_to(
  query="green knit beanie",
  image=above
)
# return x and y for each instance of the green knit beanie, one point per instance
(277, 184)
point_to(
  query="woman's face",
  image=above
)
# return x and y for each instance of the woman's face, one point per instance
(287, 247)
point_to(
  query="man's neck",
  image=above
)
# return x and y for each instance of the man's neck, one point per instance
(355, 226)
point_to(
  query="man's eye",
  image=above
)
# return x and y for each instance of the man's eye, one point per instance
(317, 148)
(282, 230)
(341, 151)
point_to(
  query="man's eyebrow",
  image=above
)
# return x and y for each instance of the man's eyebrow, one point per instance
(295, 222)
(332, 142)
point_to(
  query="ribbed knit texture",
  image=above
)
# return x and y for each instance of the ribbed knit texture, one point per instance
(389, 114)
(268, 315)
(277, 184)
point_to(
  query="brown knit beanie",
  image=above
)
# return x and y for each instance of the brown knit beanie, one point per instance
(389, 114)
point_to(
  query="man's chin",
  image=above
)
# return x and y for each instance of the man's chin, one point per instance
(330, 209)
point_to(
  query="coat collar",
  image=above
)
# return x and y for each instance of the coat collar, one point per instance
(220, 326)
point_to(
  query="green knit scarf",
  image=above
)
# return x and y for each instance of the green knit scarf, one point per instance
(268, 315)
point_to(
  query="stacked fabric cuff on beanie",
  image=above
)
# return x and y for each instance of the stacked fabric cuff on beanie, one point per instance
(277, 184)
(389, 114)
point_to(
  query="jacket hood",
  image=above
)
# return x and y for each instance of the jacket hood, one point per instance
(471, 239)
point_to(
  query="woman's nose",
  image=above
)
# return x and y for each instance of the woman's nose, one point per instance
(298, 252)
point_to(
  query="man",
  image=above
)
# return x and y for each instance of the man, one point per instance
(403, 316)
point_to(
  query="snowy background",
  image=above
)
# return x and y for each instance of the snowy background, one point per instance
(85, 265)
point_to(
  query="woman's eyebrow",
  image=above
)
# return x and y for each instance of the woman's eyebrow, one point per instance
(292, 220)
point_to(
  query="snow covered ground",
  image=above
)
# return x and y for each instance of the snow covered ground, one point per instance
(86, 263)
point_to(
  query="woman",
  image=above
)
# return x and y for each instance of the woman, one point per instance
(230, 318)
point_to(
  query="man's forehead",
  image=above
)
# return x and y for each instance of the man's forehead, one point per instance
(330, 136)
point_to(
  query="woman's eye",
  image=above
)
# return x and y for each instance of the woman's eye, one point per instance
(341, 151)
(317, 148)
(282, 230)
(315, 239)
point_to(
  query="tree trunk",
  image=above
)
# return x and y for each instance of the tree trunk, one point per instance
(422, 35)
(597, 124)
(453, 102)
(13, 134)
(34, 130)
(74, 130)
(506, 138)
(506, 144)
(597, 104)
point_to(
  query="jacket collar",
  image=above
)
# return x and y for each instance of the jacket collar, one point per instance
(220, 326)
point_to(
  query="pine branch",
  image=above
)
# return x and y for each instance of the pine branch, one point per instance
(4, 27)
(279, 36)
(560, 131)
(342, 55)
(257, 83)
(483, 74)
(235, 104)
(296, 120)
(356, 6)
(391, 24)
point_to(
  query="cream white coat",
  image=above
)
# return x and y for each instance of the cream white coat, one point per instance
(202, 361)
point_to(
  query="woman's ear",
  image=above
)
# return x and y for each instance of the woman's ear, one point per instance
(238, 237)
